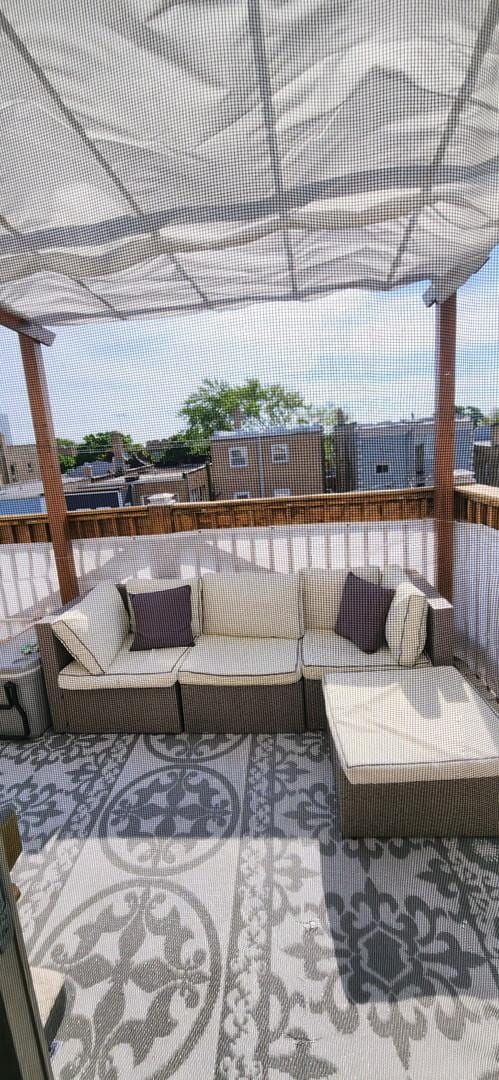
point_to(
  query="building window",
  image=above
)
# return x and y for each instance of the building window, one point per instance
(382, 467)
(12, 470)
(29, 466)
(419, 456)
(238, 457)
(282, 493)
(242, 495)
(279, 453)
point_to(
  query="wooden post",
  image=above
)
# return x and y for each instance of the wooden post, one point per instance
(444, 443)
(46, 446)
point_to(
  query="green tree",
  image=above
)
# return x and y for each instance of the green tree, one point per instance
(212, 407)
(330, 416)
(66, 461)
(475, 415)
(99, 447)
(284, 407)
(179, 452)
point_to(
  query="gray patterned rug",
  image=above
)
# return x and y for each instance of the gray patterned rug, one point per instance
(211, 923)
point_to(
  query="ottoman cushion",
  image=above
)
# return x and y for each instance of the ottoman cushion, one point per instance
(396, 726)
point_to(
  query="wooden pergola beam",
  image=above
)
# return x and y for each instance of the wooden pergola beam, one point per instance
(41, 414)
(446, 319)
(28, 329)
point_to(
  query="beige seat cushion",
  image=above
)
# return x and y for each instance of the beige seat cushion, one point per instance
(322, 592)
(95, 629)
(323, 652)
(154, 667)
(251, 605)
(141, 585)
(390, 727)
(228, 661)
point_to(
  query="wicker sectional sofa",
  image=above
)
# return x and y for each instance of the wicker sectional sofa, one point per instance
(262, 644)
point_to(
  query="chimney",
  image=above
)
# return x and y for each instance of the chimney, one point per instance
(118, 450)
(238, 419)
(87, 472)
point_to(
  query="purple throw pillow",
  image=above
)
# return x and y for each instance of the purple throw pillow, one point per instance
(363, 611)
(162, 619)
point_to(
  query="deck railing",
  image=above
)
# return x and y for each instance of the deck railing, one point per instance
(476, 581)
(283, 534)
(474, 503)
(355, 506)
(477, 504)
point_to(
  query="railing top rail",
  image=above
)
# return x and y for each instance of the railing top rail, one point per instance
(482, 493)
(355, 506)
(6, 519)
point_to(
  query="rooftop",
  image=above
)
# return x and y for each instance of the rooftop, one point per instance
(267, 432)
(31, 489)
(207, 912)
(167, 474)
(194, 890)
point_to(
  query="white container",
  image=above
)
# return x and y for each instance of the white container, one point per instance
(164, 498)
(24, 712)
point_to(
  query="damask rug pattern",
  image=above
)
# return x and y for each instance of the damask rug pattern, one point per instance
(211, 922)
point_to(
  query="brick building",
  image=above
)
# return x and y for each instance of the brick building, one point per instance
(18, 463)
(395, 454)
(186, 485)
(273, 462)
(486, 458)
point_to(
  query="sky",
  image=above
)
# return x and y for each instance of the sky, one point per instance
(370, 353)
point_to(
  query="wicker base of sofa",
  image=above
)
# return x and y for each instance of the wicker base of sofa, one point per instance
(315, 712)
(468, 807)
(240, 709)
(149, 710)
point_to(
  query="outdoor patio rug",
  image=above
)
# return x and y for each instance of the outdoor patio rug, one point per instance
(211, 923)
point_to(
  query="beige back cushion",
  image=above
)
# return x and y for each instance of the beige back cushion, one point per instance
(393, 575)
(141, 585)
(95, 629)
(251, 605)
(322, 592)
(405, 627)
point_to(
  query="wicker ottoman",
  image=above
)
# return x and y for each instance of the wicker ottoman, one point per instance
(416, 753)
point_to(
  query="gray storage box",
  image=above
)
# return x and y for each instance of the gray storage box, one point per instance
(24, 712)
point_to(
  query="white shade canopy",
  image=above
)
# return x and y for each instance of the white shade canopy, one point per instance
(165, 157)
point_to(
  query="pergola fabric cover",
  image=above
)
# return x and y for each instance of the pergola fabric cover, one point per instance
(167, 156)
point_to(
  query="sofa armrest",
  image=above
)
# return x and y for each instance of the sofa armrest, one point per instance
(53, 658)
(440, 622)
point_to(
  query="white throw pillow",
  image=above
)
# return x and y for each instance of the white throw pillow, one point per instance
(405, 628)
(94, 630)
(142, 585)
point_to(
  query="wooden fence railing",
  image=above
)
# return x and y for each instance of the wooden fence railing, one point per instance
(474, 503)
(477, 504)
(355, 506)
